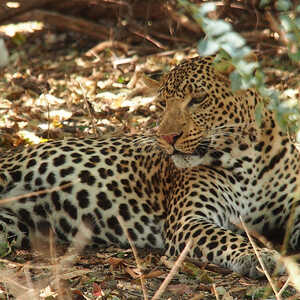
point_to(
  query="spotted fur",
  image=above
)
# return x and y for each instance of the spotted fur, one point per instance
(209, 165)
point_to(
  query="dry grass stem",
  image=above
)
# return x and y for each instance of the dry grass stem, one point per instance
(173, 271)
(30, 266)
(138, 263)
(88, 109)
(37, 193)
(278, 297)
(32, 293)
(17, 286)
(284, 287)
(56, 266)
(294, 271)
(215, 292)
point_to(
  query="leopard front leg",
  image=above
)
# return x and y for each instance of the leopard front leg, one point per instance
(217, 245)
(292, 227)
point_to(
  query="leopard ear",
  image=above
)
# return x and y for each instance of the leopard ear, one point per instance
(149, 86)
(153, 89)
(151, 83)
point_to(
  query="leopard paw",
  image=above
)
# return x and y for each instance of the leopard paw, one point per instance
(248, 264)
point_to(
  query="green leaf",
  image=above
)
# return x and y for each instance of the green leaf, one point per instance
(260, 78)
(121, 79)
(216, 27)
(19, 39)
(271, 93)
(229, 49)
(208, 47)
(283, 5)
(264, 3)
(295, 56)
(233, 39)
(207, 7)
(236, 81)
(246, 68)
(258, 113)
(236, 54)
(286, 22)
(248, 82)
(297, 22)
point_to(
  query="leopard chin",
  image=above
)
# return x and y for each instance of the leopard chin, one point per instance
(186, 160)
(189, 160)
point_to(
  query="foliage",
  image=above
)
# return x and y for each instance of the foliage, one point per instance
(221, 37)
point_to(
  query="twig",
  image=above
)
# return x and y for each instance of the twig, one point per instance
(146, 36)
(107, 44)
(32, 292)
(56, 267)
(8, 13)
(67, 23)
(88, 109)
(209, 267)
(261, 261)
(215, 292)
(14, 285)
(37, 193)
(183, 20)
(173, 271)
(170, 52)
(139, 266)
(122, 61)
(21, 265)
(169, 37)
(293, 270)
(276, 28)
(284, 287)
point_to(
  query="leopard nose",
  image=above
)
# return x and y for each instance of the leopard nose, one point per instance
(170, 138)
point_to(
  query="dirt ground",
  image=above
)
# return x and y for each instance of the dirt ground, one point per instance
(55, 87)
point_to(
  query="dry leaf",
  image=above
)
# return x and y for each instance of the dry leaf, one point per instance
(114, 261)
(167, 262)
(97, 291)
(134, 273)
(180, 289)
(74, 273)
(154, 273)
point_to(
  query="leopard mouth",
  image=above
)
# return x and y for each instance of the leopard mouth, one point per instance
(167, 143)
(199, 151)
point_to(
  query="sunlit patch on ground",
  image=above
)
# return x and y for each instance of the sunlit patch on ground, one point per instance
(26, 27)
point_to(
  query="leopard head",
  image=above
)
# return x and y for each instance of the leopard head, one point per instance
(202, 115)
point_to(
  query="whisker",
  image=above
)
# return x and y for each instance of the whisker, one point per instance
(233, 125)
(224, 134)
(219, 134)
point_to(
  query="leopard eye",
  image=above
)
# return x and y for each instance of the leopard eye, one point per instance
(198, 100)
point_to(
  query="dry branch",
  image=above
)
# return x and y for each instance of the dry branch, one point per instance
(108, 44)
(133, 28)
(276, 28)
(67, 22)
(25, 5)
(183, 20)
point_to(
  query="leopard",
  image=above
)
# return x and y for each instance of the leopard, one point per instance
(209, 167)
